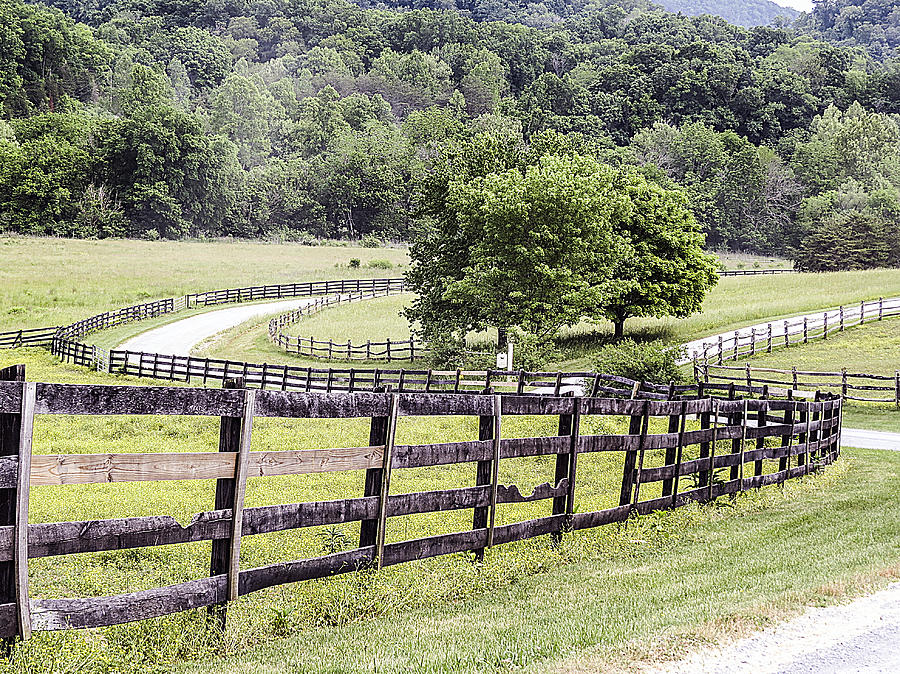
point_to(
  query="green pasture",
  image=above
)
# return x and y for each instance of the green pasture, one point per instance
(46, 281)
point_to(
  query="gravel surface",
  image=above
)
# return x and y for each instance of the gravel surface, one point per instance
(862, 636)
(180, 337)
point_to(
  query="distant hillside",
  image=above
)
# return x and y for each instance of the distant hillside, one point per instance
(740, 12)
(873, 24)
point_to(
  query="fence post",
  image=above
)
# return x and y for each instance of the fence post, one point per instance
(841, 317)
(749, 378)
(897, 387)
(631, 456)
(389, 349)
(386, 479)
(378, 433)
(843, 381)
(788, 437)
(736, 342)
(769, 340)
(862, 312)
(825, 325)
(569, 426)
(671, 452)
(787, 338)
(805, 330)
(752, 341)
(15, 440)
(762, 418)
(794, 375)
(230, 437)
(880, 308)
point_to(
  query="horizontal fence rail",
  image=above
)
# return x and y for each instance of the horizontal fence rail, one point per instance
(31, 337)
(676, 451)
(851, 385)
(778, 334)
(755, 272)
(285, 290)
(406, 350)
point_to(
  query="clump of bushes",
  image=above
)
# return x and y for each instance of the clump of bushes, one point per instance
(354, 263)
(380, 264)
(643, 361)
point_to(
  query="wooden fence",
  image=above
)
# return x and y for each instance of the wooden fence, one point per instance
(658, 470)
(33, 337)
(851, 385)
(775, 334)
(406, 350)
(755, 272)
(286, 290)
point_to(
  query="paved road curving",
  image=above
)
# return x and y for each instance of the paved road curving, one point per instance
(862, 636)
(179, 337)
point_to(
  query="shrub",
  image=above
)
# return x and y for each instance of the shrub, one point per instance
(354, 263)
(531, 352)
(370, 241)
(380, 264)
(645, 361)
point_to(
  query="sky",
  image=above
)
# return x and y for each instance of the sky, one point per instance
(802, 5)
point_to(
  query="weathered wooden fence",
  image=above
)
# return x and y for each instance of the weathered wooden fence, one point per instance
(32, 337)
(743, 436)
(851, 385)
(775, 334)
(286, 290)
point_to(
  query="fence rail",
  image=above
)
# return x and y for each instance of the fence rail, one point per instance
(755, 272)
(859, 386)
(743, 437)
(776, 334)
(255, 293)
(30, 337)
(406, 350)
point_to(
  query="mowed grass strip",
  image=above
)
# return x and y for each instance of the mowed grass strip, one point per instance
(649, 589)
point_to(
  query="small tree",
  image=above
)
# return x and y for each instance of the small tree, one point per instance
(525, 249)
(660, 268)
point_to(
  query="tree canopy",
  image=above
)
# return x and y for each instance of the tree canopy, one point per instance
(541, 246)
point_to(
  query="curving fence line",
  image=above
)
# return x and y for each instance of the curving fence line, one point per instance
(861, 386)
(406, 350)
(676, 451)
(776, 334)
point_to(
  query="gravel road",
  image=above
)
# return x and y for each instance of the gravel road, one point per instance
(862, 636)
(180, 337)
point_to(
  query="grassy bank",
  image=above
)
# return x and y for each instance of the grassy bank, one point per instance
(648, 590)
(439, 594)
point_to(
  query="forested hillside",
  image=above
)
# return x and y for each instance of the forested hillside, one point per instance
(302, 118)
(739, 12)
(873, 24)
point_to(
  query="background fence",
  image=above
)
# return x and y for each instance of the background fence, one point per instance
(775, 334)
(752, 441)
(755, 272)
(851, 385)
(33, 337)
(406, 350)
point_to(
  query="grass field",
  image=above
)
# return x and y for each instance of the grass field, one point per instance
(692, 572)
(735, 302)
(645, 591)
(46, 281)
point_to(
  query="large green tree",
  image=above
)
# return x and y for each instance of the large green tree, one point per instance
(546, 245)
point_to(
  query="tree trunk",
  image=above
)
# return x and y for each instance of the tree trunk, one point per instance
(502, 339)
(619, 325)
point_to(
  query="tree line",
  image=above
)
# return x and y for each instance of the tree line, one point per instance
(323, 118)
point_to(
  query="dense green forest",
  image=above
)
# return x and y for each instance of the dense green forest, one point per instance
(321, 118)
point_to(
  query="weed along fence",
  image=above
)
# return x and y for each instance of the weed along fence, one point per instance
(406, 350)
(851, 385)
(749, 341)
(674, 452)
